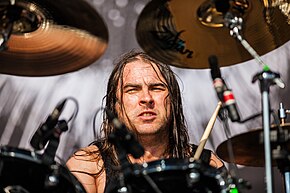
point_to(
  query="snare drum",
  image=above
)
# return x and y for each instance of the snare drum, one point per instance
(22, 171)
(176, 175)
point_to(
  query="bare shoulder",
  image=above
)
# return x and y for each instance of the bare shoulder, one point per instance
(215, 161)
(87, 160)
(87, 165)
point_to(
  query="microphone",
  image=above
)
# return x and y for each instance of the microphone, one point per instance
(51, 148)
(224, 94)
(46, 130)
(215, 72)
(125, 137)
(230, 103)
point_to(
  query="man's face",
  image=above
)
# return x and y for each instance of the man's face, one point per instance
(145, 99)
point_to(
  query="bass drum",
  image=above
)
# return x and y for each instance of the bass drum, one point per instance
(22, 171)
(176, 175)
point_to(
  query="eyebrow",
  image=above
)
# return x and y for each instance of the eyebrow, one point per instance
(130, 85)
(139, 85)
(157, 84)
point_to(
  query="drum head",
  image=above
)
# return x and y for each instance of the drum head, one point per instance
(175, 175)
(22, 171)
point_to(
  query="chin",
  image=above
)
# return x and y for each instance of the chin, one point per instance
(148, 131)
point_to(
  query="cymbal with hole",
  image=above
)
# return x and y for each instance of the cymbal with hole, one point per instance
(50, 37)
(186, 34)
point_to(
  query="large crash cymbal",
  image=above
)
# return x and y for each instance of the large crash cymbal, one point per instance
(51, 37)
(248, 148)
(185, 34)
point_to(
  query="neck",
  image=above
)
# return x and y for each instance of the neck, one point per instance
(154, 147)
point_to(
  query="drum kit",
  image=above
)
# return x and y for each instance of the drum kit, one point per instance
(44, 37)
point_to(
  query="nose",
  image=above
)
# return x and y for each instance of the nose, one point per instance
(146, 99)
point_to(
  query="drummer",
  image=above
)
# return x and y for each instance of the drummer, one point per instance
(143, 94)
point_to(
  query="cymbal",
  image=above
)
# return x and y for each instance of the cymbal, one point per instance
(186, 34)
(51, 37)
(248, 148)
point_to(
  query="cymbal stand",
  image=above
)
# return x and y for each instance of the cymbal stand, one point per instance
(281, 153)
(267, 78)
(233, 178)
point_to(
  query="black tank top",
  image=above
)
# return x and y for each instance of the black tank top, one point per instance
(112, 177)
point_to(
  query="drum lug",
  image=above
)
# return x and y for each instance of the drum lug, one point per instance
(123, 189)
(193, 177)
(52, 179)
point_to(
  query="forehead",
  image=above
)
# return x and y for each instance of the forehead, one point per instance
(140, 70)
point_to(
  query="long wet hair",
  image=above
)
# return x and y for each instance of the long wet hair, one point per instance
(179, 146)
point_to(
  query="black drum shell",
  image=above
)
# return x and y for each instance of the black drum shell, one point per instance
(23, 171)
(176, 175)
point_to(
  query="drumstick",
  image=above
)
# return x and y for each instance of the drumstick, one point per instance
(207, 132)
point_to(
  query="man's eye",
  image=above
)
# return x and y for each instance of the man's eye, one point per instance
(158, 88)
(131, 90)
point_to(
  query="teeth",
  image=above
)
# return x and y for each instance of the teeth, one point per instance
(147, 114)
